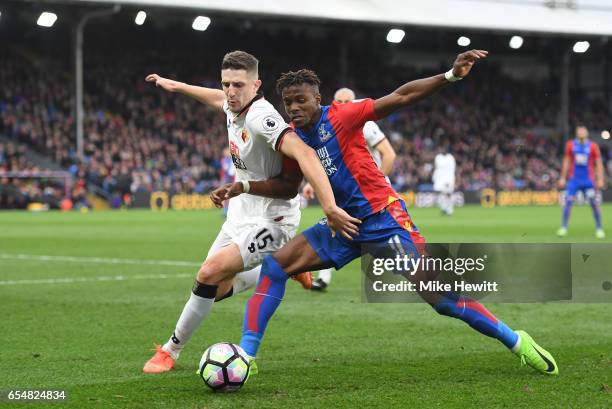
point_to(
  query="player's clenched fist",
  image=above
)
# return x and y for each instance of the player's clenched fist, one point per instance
(464, 62)
(308, 192)
(165, 83)
(218, 195)
(235, 189)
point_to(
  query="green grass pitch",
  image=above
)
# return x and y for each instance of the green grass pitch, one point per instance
(72, 325)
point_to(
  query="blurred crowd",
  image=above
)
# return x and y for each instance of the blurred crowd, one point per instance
(136, 138)
(23, 183)
(141, 139)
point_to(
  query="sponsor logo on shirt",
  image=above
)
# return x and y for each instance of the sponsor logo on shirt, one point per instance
(326, 161)
(235, 152)
(581, 158)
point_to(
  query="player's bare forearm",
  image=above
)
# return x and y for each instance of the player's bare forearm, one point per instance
(564, 168)
(408, 94)
(416, 90)
(311, 167)
(207, 96)
(276, 188)
(280, 187)
(214, 98)
(599, 169)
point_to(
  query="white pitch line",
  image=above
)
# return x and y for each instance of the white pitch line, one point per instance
(97, 260)
(71, 280)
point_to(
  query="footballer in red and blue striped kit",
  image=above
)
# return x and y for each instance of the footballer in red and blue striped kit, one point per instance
(582, 163)
(335, 133)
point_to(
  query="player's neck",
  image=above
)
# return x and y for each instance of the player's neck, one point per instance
(315, 120)
(245, 108)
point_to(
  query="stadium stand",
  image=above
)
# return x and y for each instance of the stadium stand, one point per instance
(139, 139)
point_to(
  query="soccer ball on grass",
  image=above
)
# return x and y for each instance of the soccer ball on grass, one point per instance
(224, 367)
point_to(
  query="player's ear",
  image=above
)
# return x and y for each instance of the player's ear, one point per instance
(257, 84)
(318, 98)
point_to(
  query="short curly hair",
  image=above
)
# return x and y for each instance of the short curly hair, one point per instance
(298, 77)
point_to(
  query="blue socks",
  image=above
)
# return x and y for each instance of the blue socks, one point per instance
(262, 304)
(478, 317)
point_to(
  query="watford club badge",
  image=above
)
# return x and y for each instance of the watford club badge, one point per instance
(245, 135)
(235, 152)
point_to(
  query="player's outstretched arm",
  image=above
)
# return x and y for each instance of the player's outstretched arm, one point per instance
(338, 220)
(214, 98)
(416, 90)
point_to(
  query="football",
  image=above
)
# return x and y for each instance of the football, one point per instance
(224, 367)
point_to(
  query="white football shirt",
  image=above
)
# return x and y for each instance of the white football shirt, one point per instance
(373, 135)
(444, 168)
(254, 135)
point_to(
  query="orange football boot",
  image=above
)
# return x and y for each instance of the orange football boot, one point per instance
(162, 361)
(305, 279)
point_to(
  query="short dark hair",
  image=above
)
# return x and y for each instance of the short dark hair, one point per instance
(298, 77)
(240, 60)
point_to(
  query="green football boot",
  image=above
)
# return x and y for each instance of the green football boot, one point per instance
(535, 356)
(253, 370)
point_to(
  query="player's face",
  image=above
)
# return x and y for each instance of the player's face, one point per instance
(582, 133)
(240, 88)
(302, 103)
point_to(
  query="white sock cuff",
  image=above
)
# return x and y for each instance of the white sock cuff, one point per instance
(517, 345)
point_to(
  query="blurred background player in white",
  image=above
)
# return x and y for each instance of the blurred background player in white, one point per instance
(263, 212)
(227, 174)
(444, 179)
(582, 162)
(383, 154)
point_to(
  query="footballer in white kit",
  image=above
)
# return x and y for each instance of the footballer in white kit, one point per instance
(444, 179)
(258, 225)
(263, 210)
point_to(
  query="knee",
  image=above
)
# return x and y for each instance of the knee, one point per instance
(209, 273)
